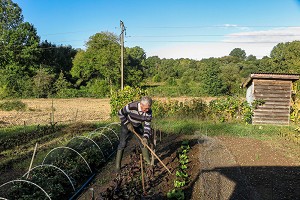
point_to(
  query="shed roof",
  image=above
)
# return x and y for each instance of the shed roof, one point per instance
(271, 76)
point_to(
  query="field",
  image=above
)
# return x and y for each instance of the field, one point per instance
(219, 167)
(65, 111)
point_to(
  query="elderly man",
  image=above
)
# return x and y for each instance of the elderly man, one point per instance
(135, 116)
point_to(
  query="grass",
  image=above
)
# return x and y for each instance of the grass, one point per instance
(16, 130)
(209, 128)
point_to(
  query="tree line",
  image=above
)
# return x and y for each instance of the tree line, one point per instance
(30, 67)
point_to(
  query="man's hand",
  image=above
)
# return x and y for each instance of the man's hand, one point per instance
(145, 141)
(130, 127)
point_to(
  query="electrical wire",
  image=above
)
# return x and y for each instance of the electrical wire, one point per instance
(211, 35)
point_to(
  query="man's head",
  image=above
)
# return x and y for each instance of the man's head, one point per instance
(146, 103)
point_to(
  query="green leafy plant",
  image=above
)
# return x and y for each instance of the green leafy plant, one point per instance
(181, 174)
(176, 194)
(179, 184)
(122, 97)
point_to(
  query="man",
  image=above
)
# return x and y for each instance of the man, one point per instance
(135, 116)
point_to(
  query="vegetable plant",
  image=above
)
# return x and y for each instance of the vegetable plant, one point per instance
(182, 177)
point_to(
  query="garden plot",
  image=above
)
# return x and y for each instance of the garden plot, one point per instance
(217, 168)
(65, 169)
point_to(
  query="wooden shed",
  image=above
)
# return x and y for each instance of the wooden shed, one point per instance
(275, 90)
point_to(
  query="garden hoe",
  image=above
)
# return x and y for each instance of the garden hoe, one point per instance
(152, 152)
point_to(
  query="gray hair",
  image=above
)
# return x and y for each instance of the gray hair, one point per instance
(146, 100)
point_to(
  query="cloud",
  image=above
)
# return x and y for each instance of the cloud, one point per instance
(207, 50)
(268, 36)
(257, 43)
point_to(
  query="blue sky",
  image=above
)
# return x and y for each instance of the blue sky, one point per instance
(170, 28)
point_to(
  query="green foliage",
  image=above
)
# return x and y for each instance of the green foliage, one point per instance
(218, 110)
(15, 82)
(194, 108)
(53, 180)
(210, 78)
(61, 83)
(134, 64)
(176, 194)
(42, 83)
(247, 112)
(182, 177)
(19, 39)
(73, 93)
(285, 57)
(98, 88)
(257, 102)
(101, 59)
(225, 109)
(22, 56)
(239, 53)
(58, 59)
(156, 78)
(171, 81)
(192, 89)
(13, 105)
(122, 97)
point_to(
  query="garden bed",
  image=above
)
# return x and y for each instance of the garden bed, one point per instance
(218, 168)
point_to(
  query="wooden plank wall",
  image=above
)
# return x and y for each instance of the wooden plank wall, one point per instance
(277, 97)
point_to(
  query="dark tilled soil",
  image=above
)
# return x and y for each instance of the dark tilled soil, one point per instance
(219, 168)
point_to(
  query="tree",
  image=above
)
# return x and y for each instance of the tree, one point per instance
(239, 53)
(57, 58)
(211, 81)
(286, 57)
(152, 66)
(101, 60)
(251, 58)
(230, 78)
(61, 83)
(19, 40)
(134, 66)
(42, 83)
(18, 50)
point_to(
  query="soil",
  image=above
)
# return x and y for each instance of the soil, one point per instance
(219, 168)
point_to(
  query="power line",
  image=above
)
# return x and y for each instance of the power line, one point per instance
(211, 41)
(220, 26)
(183, 27)
(209, 35)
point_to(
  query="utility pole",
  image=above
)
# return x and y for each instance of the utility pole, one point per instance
(122, 53)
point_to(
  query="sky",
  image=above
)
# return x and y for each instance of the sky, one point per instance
(194, 29)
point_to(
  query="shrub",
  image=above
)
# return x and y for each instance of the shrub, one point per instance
(194, 108)
(221, 110)
(13, 105)
(171, 81)
(122, 97)
(98, 88)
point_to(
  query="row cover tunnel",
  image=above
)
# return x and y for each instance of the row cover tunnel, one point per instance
(65, 170)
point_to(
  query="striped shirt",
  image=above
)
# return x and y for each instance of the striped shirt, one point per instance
(132, 113)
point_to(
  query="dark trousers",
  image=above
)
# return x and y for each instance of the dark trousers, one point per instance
(125, 134)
